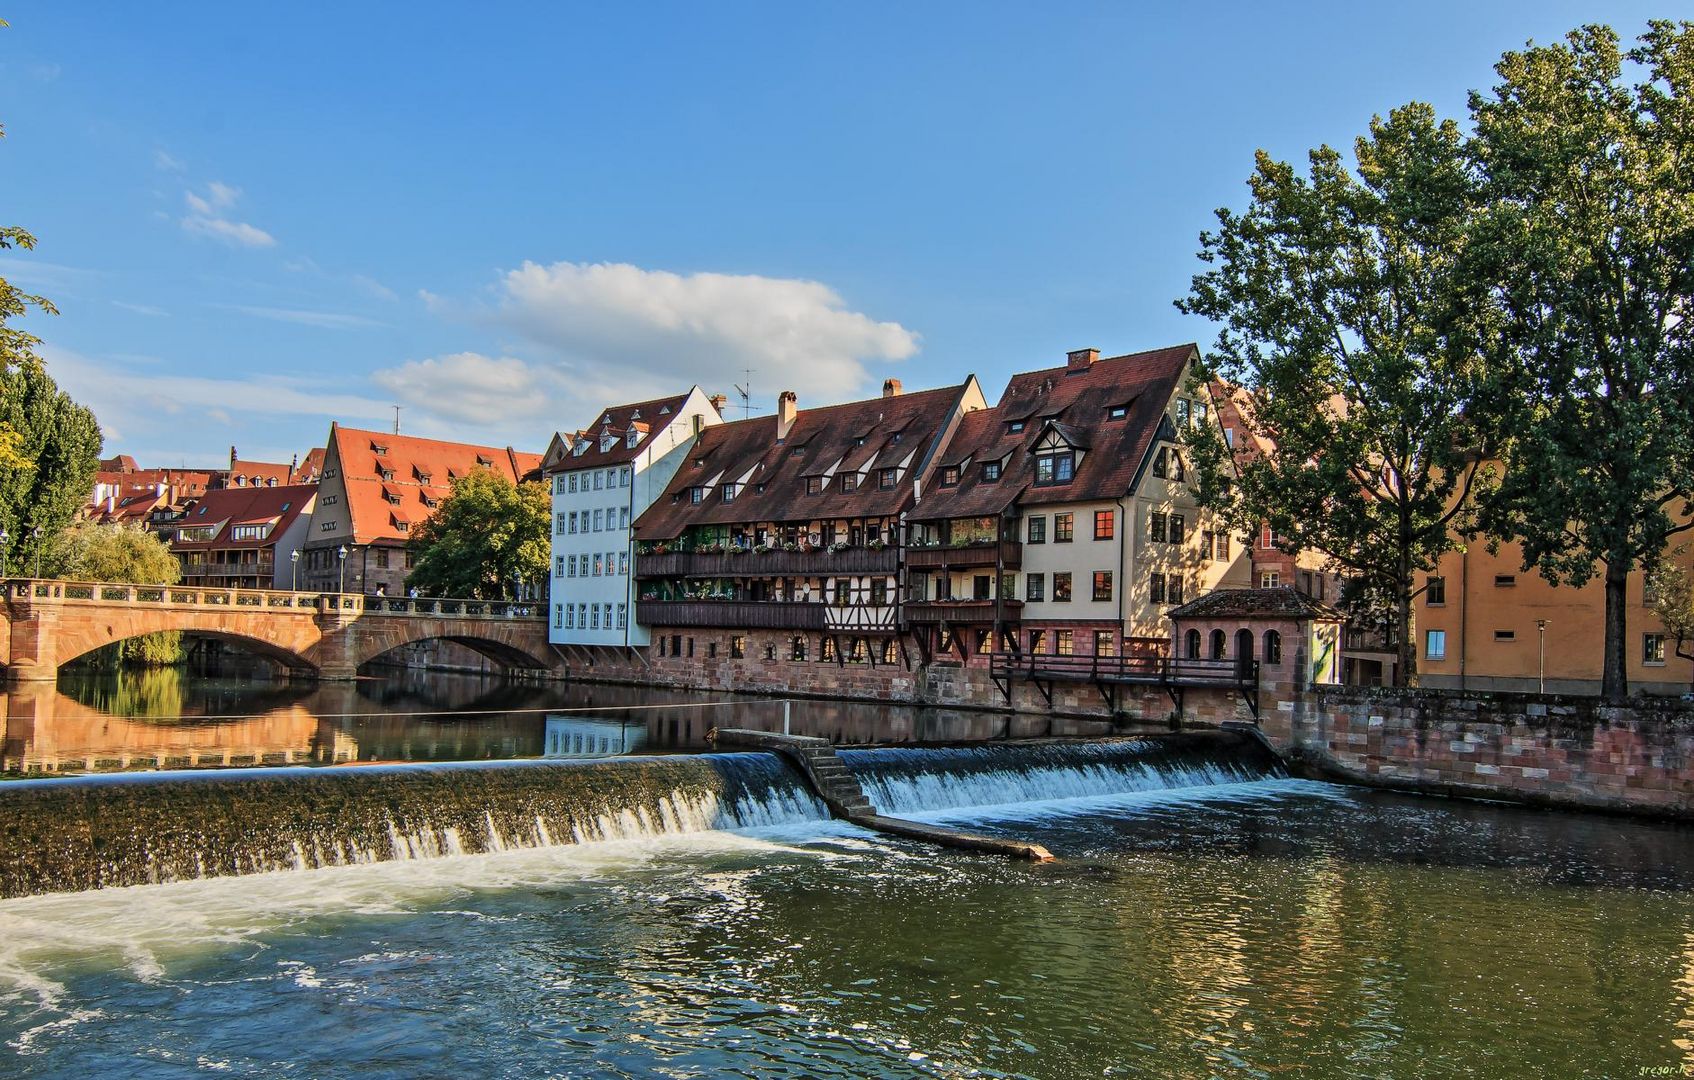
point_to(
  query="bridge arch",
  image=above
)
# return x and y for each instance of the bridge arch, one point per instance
(516, 645)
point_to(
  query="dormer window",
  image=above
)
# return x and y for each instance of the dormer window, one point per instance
(1117, 412)
(379, 449)
(580, 448)
(950, 476)
(1013, 427)
(1168, 464)
(1055, 468)
(730, 491)
(887, 478)
(632, 438)
(849, 482)
(664, 410)
(486, 462)
(991, 471)
(423, 477)
(696, 495)
(387, 474)
(636, 415)
(815, 484)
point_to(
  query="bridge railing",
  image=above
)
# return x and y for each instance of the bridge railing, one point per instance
(104, 592)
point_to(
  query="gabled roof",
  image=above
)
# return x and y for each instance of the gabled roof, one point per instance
(646, 416)
(859, 437)
(1282, 602)
(409, 458)
(227, 508)
(1076, 403)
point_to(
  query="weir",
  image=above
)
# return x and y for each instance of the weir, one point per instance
(77, 833)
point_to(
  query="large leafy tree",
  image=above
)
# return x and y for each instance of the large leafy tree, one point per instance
(1588, 234)
(487, 536)
(1349, 325)
(121, 553)
(1672, 590)
(49, 445)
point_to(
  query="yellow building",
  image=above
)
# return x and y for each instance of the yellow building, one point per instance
(1487, 624)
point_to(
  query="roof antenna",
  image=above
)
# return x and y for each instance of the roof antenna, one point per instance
(746, 393)
(396, 419)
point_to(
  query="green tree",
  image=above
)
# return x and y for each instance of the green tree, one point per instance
(485, 537)
(1672, 590)
(120, 553)
(1347, 324)
(1588, 236)
(49, 445)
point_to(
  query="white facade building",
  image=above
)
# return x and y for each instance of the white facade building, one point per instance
(602, 478)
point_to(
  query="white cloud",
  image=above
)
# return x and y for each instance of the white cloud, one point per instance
(630, 331)
(140, 309)
(328, 320)
(372, 287)
(167, 163)
(471, 387)
(207, 215)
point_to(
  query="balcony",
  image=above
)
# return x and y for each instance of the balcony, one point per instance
(1007, 553)
(731, 614)
(960, 611)
(720, 564)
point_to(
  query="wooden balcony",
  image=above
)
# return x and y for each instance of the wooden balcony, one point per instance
(959, 611)
(1008, 554)
(824, 563)
(731, 614)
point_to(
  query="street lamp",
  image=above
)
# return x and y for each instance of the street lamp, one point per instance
(1541, 656)
(294, 573)
(4, 536)
(35, 533)
(341, 553)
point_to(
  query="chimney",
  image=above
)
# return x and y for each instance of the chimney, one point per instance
(785, 412)
(718, 402)
(1081, 359)
(891, 388)
(232, 458)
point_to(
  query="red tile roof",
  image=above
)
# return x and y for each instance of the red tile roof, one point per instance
(227, 508)
(1077, 403)
(615, 423)
(861, 437)
(409, 460)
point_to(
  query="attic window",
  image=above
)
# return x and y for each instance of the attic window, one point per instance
(849, 482)
(378, 449)
(950, 476)
(423, 477)
(578, 450)
(896, 436)
(696, 495)
(858, 440)
(1014, 426)
(632, 438)
(387, 474)
(402, 526)
(485, 461)
(887, 478)
(991, 471)
(815, 484)
(664, 410)
(392, 496)
(636, 415)
(730, 491)
(1117, 412)
(1055, 468)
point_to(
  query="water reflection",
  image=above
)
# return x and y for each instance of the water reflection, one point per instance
(168, 719)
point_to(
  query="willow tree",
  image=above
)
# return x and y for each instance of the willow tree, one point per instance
(1348, 324)
(1588, 156)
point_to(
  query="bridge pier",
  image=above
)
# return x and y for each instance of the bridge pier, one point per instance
(32, 640)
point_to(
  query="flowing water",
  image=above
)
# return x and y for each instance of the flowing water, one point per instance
(1205, 917)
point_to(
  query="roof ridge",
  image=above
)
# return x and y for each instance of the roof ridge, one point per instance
(1195, 346)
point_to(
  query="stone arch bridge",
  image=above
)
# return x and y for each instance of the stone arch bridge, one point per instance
(44, 624)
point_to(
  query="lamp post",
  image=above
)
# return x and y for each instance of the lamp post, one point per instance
(341, 553)
(4, 536)
(35, 533)
(1541, 656)
(294, 571)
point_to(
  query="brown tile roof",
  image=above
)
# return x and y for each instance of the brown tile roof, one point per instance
(862, 437)
(1076, 404)
(122, 463)
(409, 459)
(645, 416)
(229, 507)
(1282, 602)
(258, 473)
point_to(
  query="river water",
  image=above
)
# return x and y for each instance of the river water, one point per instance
(1210, 927)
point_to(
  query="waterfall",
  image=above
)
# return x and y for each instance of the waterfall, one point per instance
(79, 833)
(907, 781)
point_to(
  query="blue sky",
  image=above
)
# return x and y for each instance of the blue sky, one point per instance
(505, 216)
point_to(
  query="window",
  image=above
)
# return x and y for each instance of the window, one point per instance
(1173, 589)
(570, 566)
(1267, 538)
(558, 616)
(1505, 635)
(849, 482)
(1105, 643)
(826, 649)
(1653, 650)
(1156, 588)
(1105, 524)
(698, 494)
(247, 532)
(1229, 436)
(1064, 525)
(1158, 526)
(1065, 642)
(1117, 412)
(730, 491)
(887, 478)
(559, 484)
(1102, 585)
(623, 517)
(599, 479)
(1037, 641)
(1038, 530)
(570, 616)
(950, 476)
(991, 470)
(1269, 579)
(1162, 463)
(623, 563)
(843, 592)
(1505, 581)
(797, 648)
(594, 610)
(814, 485)
(1035, 587)
(1062, 587)
(382, 558)
(1177, 528)
(1218, 644)
(599, 520)
(623, 477)
(889, 651)
(1436, 593)
(573, 484)
(597, 564)
(573, 521)
(558, 566)
(1435, 645)
(559, 524)
(1055, 468)
(738, 647)
(879, 592)
(1273, 647)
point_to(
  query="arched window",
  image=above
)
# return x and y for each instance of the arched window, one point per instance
(1218, 640)
(1273, 647)
(1193, 644)
(1243, 649)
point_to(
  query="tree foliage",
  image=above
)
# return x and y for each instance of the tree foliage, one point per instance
(486, 536)
(1348, 320)
(1588, 238)
(1672, 589)
(121, 553)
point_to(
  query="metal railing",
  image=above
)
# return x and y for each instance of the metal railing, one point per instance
(98, 592)
(1153, 670)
